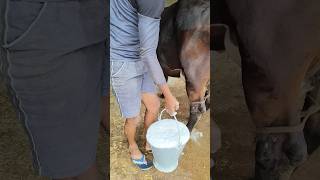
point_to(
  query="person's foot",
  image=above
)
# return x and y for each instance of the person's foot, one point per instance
(148, 148)
(139, 159)
(143, 163)
(135, 152)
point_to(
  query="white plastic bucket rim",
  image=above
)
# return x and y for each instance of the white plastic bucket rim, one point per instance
(178, 126)
(176, 134)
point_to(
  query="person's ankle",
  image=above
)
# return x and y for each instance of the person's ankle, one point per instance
(134, 151)
(147, 147)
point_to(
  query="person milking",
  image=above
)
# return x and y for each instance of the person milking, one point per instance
(135, 69)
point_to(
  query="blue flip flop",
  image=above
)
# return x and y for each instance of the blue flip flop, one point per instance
(149, 151)
(142, 163)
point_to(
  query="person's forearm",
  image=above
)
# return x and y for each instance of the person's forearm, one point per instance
(171, 103)
(149, 35)
(152, 62)
(165, 90)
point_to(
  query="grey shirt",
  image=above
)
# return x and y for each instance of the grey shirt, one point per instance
(134, 33)
(150, 8)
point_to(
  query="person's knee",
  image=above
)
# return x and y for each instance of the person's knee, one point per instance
(153, 106)
(132, 122)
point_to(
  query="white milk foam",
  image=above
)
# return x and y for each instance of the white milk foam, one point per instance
(196, 135)
(165, 134)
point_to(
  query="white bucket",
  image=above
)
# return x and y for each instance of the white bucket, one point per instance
(167, 138)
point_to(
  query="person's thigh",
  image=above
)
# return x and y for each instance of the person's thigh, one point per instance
(148, 85)
(151, 101)
(61, 111)
(149, 94)
(55, 82)
(126, 83)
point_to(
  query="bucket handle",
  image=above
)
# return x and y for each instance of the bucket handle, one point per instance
(174, 115)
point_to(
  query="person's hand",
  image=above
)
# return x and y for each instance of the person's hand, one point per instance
(171, 105)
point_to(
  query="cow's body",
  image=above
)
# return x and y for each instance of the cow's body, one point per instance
(279, 43)
(184, 45)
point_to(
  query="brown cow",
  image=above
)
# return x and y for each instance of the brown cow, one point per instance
(184, 44)
(279, 43)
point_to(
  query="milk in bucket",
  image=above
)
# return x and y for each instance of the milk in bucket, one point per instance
(167, 138)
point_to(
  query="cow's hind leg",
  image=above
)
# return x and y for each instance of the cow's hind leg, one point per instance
(195, 60)
(207, 97)
(312, 132)
(197, 105)
(312, 128)
(196, 85)
(275, 98)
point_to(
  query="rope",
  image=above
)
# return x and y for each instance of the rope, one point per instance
(291, 129)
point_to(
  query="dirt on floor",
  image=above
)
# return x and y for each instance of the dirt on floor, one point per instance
(194, 163)
(15, 152)
(235, 159)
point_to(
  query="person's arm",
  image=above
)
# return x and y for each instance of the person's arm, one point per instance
(171, 103)
(149, 27)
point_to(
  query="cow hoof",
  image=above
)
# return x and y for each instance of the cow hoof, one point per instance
(312, 141)
(193, 120)
(207, 99)
(312, 133)
(207, 104)
(211, 168)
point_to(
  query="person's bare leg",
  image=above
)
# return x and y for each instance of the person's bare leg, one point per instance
(91, 173)
(152, 104)
(130, 131)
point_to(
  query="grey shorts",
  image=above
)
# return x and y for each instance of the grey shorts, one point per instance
(51, 58)
(129, 80)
